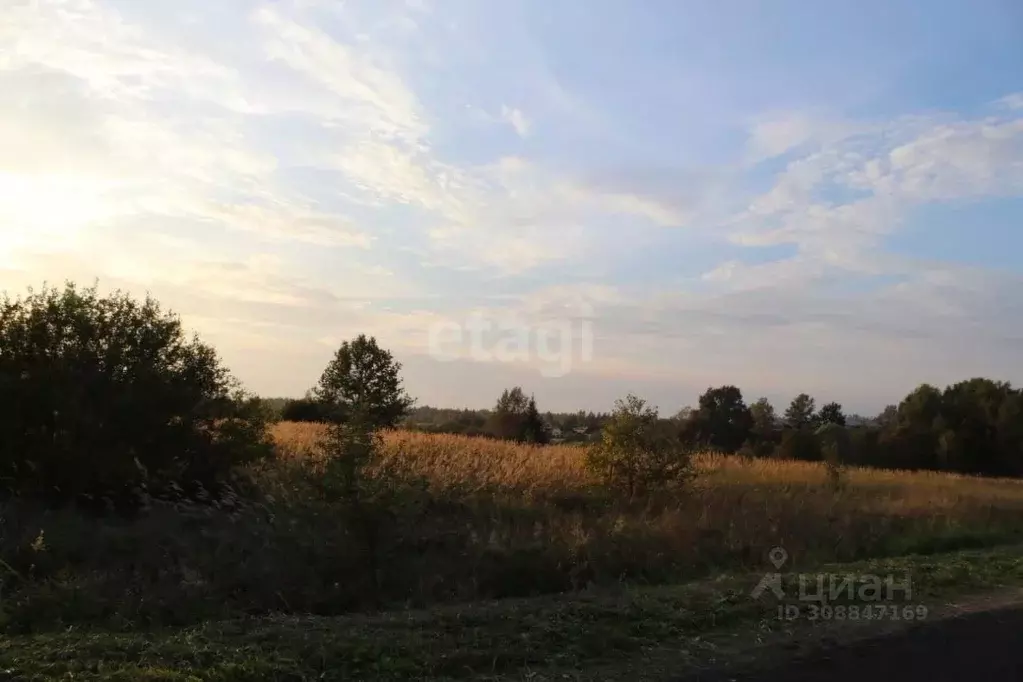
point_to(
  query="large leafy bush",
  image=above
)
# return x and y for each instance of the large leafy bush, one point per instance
(106, 396)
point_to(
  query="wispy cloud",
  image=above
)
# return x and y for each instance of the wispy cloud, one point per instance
(1013, 101)
(847, 192)
(287, 172)
(517, 120)
(370, 99)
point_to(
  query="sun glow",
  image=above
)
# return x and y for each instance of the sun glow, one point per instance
(47, 212)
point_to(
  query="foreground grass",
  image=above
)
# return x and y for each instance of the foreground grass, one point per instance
(473, 520)
(636, 634)
(482, 520)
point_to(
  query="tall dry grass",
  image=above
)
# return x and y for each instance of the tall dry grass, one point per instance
(735, 511)
(495, 520)
(464, 462)
(458, 461)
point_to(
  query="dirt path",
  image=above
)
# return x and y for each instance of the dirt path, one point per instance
(968, 643)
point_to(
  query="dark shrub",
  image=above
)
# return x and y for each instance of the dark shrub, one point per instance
(799, 444)
(105, 396)
(303, 410)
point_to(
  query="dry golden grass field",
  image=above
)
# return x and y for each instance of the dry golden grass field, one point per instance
(736, 508)
(469, 519)
(274, 580)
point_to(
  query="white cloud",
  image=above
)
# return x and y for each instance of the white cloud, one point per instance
(1013, 101)
(111, 125)
(277, 186)
(391, 174)
(373, 99)
(282, 221)
(971, 159)
(773, 137)
(635, 205)
(778, 134)
(511, 215)
(517, 120)
(846, 193)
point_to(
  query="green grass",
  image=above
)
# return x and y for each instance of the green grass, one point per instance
(634, 634)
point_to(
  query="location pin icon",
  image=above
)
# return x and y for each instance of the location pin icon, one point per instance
(778, 557)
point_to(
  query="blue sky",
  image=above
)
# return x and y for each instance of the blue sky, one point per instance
(788, 196)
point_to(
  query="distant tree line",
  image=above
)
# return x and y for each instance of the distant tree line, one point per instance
(109, 402)
(971, 427)
(465, 422)
(514, 417)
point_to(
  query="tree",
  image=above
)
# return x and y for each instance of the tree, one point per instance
(534, 430)
(835, 441)
(515, 417)
(307, 409)
(106, 395)
(913, 439)
(831, 413)
(801, 444)
(888, 417)
(1009, 430)
(974, 426)
(361, 393)
(512, 401)
(799, 414)
(920, 409)
(505, 420)
(722, 421)
(764, 434)
(362, 383)
(638, 451)
(684, 414)
(764, 418)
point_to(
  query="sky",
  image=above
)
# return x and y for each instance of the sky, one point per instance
(585, 198)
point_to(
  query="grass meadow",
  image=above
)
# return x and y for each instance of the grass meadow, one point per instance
(736, 510)
(471, 519)
(486, 544)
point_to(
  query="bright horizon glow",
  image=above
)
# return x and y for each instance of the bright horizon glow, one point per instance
(779, 196)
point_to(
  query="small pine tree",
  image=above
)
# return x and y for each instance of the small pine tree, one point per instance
(534, 430)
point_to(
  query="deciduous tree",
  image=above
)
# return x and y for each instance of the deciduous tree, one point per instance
(799, 414)
(638, 451)
(363, 383)
(831, 413)
(107, 395)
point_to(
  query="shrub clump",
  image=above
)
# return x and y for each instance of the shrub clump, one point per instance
(638, 452)
(106, 397)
